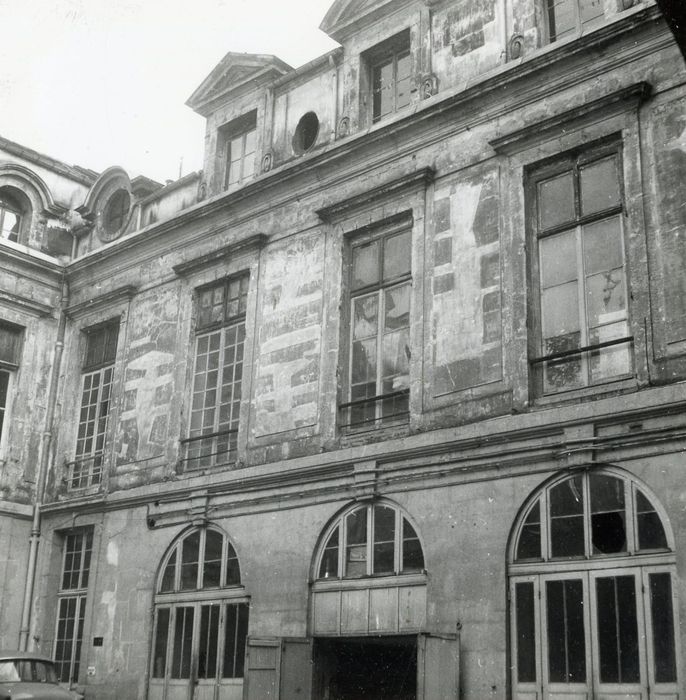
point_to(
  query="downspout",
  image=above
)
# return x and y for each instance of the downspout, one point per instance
(44, 460)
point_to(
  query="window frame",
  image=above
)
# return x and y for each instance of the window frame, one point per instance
(239, 128)
(580, 25)
(79, 595)
(209, 329)
(97, 382)
(8, 368)
(5, 208)
(340, 525)
(345, 408)
(534, 174)
(388, 52)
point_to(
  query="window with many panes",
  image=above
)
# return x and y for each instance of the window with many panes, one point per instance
(96, 394)
(580, 306)
(379, 351)
(239, 139)
(10, 344)
(390, 75)
(71, 604)
(201, 617)
(592, 592)
(217, 374)
(370, 540)
(568, 17)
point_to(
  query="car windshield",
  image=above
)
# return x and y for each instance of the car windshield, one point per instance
(31, 670)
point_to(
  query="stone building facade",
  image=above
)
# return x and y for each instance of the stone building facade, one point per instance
(386, 402)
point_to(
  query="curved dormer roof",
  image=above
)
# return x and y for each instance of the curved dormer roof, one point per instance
(233, 72)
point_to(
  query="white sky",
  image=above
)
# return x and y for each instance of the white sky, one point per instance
(103, 82)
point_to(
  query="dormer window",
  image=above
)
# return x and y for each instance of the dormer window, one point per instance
(238, 138)
(390, 75)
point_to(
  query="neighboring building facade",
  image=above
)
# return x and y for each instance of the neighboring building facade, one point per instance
(386, 402)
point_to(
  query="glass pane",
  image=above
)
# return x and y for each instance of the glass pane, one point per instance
(566, 519)
(213, 559)
(208, 642)
(590, 10)
(396, 362)
(384, 540)
(364, 364)
(168, 577)
(614, 360)
(365, 265)
(599, 182)
(397, 255)
(567, 498)
(159, 656)
(556, 201)
(250, 137)
(365, 316)
(617, 629)
(329, 564)
(558, 259)
(651, 534)
(413, 557)
(563, 373)
(183, 638)
(233, 572)
(397, 308)
(608, 516)
(662, 617)
(526, 632)
(566, 640)
(382, 89)
(561, 18)
(356, 549)
(560, 310)
(236, 632)
(606, 298)
(529, 545)
(190, 549)
(603, 246)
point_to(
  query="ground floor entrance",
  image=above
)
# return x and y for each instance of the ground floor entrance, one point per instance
(374, 668)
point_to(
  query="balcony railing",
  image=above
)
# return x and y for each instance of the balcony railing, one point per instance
(209, 450)
(375, 411)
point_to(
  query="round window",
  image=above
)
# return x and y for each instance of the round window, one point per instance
(116, 211)
(305, 133)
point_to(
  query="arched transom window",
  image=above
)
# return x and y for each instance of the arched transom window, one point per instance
(592, 592)
(369, 540)
(201, 619)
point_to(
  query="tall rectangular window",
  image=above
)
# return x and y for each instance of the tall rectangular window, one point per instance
(568, 17)
(239, 140)
(390, 75)
(217, 374)
(96, 393)
(581, 299)
(71, 604)
(379, 351)
(10, 343)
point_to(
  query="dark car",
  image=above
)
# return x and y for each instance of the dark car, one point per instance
(28, 676)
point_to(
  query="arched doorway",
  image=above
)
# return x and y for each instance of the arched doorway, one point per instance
(368, 605)
(592, 592)
(201, 620)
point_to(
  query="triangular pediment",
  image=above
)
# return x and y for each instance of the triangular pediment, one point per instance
(344, 16)
(233, 72)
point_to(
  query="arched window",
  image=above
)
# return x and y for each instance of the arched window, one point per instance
(201, 618)
(592, 591)
(370, 540)
(116, 211)
(12, 214)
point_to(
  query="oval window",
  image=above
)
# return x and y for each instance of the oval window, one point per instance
(116, 211)
(305, 133)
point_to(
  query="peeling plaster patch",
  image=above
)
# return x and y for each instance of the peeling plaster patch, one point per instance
(288, 364)
(112, 553)
(466, 305)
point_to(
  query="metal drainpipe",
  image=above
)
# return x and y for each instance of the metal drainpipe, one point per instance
(44, 460)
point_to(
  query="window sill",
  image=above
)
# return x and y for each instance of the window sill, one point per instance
(365, 582)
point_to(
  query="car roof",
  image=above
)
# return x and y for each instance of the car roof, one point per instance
(8, 654)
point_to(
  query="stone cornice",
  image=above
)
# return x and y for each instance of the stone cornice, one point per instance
(112, 298)
(23, 303)
(414, 180)
(616, 101)
(27, 257)
(257, 241)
